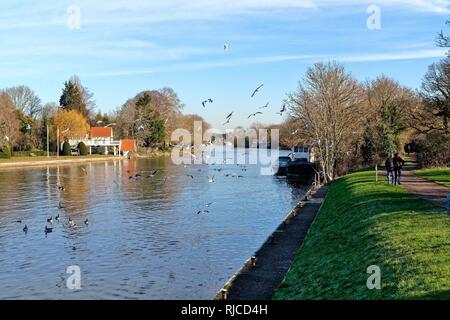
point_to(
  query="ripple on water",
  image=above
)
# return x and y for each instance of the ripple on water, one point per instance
(145, 239)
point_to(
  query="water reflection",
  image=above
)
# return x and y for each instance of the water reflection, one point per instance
(145, 239)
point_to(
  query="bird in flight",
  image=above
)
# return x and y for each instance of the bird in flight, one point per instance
(204, 103)
(152, 174)
(283, 109)
(229, 116)
(257, 90)
(266, 106)
(203, 211)
(254, 114)
(211, 179)
(190, 176)
(225, 47)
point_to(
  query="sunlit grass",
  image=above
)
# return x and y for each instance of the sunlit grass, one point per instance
(365, 223)
(441, 175)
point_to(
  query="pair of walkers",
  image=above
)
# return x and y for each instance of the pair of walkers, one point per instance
(394, 167)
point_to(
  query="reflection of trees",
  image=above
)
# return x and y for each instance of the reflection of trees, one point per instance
(77, 193)
(161, 187)
(15, 187)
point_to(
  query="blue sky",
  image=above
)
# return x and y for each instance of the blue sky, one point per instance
(124, 47)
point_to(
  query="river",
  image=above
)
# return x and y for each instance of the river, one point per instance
(145, 238)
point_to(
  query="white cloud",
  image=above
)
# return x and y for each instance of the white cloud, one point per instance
(372, 57)
(26, 14)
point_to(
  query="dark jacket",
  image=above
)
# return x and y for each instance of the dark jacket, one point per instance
(389, 164)
(398, 163)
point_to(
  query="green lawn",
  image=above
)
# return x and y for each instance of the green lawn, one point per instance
(364, 223)
(441, 175)
(44, 158)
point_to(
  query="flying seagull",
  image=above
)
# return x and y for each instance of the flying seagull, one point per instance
(282, 110)
(225, 47)
(257, 90)
(203, 211)
(210, 179)
(266, 106)
(152, 174)
(206, 102)
(254, 114)
(230, 115)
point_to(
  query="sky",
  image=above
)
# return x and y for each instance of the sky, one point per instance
(120, 48)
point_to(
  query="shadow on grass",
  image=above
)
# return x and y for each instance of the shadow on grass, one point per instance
(364, 223)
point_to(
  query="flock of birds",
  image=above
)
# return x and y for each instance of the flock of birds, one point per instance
(228, 118)
(48, 228)
(211, 179)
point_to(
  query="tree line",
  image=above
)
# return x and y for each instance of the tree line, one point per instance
(149, 117)
(351, 123)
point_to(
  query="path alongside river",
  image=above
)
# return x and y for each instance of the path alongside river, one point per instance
(275, 257)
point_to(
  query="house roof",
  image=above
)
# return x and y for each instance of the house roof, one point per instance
(100, 132)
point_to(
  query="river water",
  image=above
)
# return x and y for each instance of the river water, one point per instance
(145, 238)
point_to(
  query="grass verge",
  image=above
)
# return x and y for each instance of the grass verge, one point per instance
(364, 223)
(441, 175)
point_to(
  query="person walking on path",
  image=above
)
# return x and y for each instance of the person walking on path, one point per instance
(398, 165)
(389, 164)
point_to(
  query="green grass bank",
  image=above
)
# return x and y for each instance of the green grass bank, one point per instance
(441, 176)
(364, 223)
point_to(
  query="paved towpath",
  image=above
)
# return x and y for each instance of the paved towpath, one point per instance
(275, 257)
(423, 188)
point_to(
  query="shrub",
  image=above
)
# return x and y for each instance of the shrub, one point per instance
(6, 152)
(83, 149)
(433, 150)
(66, 151)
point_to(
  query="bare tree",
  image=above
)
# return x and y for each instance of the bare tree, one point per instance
(26, 100)
(434, 112)
(9, 125)
(328, 110)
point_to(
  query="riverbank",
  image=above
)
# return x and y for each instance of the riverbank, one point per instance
(258, 279)
(439, 175)
(15, 162)
(45, 161)
(364, 223)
